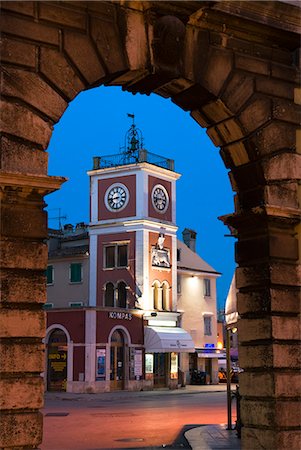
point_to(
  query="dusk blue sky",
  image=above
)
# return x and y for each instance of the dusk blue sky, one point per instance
(95, 124)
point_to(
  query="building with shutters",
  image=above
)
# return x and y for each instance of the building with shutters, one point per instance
(116, 318)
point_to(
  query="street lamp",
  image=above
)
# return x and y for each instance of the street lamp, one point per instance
(231, 318)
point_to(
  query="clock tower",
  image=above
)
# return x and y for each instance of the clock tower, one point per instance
(133, 257)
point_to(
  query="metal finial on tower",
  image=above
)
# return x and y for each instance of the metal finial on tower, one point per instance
(134, 138)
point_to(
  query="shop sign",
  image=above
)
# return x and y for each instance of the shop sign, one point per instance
(138, 364)
(120, 315)
(57, 356)
(100, 363)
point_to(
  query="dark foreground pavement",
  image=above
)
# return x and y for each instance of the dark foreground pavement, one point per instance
(212, 437)
(195, 437)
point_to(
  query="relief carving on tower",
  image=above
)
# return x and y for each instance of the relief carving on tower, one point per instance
(160, 255)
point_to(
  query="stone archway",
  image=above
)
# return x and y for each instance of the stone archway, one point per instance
(233, 65)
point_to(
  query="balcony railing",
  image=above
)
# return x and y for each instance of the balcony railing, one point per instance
(138, 156)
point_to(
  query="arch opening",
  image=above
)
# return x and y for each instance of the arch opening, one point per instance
(246, 100)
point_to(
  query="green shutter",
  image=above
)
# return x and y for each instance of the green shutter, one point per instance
(49, 274)
(75, 273)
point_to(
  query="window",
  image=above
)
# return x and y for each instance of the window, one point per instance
(207, 326)
(178, 254)
(76, 304)
(75, 273)
(121, 295)
(110, 257)
(165, 297)
(116, 296)
(207, 287)
(49, 274)
(109, 294)
(48, 305)
(157, 295)
(122, 255)
(116, 256)
(179, 284)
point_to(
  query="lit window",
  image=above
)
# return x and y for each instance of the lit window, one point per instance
(115, 256)
(75, 273)
(207, 326)
(49, 274)
(207, 287)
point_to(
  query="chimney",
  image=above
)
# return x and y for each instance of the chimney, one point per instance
(189, 238)
(68, 228)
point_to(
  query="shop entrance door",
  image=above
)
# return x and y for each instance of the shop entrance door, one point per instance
(117, 361)
(160, 369)
(208, 369)
(57, 361)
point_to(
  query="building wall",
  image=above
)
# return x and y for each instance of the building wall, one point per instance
(62, 291)
(118, 274)
(130, 210)
(152, 212)
(195, 305)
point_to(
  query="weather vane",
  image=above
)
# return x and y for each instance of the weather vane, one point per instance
(133, 137)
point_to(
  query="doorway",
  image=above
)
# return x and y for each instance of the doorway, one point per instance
(160, 369)
(57, 361)
(117, 369)
(208, 369)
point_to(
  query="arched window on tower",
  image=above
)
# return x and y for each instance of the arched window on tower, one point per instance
(121, 295)
(109, 294)
(157, 295)
(165, 296)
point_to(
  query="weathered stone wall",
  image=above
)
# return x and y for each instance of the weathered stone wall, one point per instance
(233, 65)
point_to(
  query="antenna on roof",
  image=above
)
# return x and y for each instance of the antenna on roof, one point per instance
(59, 217)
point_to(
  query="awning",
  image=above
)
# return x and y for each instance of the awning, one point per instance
(209, 355)
(167, 339)
(231, 313)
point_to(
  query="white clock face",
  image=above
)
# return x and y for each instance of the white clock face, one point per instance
(160, 198)
(116, 197)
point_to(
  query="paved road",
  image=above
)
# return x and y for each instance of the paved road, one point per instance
(128, 420)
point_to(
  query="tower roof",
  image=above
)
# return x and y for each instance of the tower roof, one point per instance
(133, 153)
